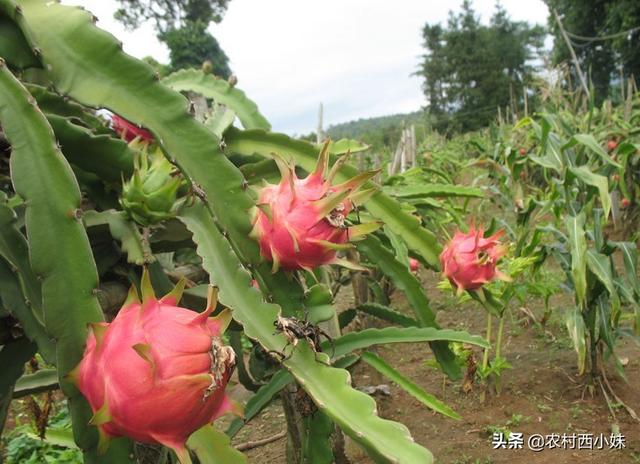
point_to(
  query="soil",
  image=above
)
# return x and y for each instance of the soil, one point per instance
(541, 394)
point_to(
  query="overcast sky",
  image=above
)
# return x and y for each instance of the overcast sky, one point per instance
(355, 56)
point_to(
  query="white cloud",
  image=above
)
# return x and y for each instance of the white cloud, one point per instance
(355, 56)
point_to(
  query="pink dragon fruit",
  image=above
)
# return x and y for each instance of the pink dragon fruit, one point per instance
(300, 223)
(129, 131)
(469, 260)
(414, 265)
(158, 372)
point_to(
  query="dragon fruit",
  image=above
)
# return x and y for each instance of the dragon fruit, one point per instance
(129, 131)
(470, 260)
(149, 197)
(301, 223)
(158, 372)
(414, 265)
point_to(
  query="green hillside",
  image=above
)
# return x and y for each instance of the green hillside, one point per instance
(380, 132)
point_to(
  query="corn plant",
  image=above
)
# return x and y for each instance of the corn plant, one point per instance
(568, 174)
(579, 175)
(83, 211)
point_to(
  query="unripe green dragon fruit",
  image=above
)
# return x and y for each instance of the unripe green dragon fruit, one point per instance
(158, 372)
(150, 195)
(301, 223)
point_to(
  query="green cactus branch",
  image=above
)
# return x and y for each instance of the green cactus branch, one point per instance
(88, 64)
(50, 102)
(401, 277)
(406, 384)
(261, 399)
(369, 337)
(407, 282)
(13, 356)
(14, 47)
(59, 250)
(330, 388)
(316, 446)
(14, 249)
(109, 158)
(380, 205)
(12, 298)
(434, 190)
(44, 179)
(220, 91)
(387, 314)
(214, 447)
(122, 229)
(38, 382)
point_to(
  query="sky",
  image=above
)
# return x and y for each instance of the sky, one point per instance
(356, 57)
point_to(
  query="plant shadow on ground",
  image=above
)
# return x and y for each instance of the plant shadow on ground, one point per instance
(542, 394)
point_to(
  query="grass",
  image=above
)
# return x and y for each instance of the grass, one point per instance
(21, 445)
(469, 460)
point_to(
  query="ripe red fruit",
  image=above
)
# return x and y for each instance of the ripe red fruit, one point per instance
(414, 265)
(522, 152)
(158, 372)
(612, 145)
(129, 131)
(625, 203)
(300, 223)
(470, 260)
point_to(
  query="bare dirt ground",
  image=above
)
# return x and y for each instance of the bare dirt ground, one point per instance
(542, 394)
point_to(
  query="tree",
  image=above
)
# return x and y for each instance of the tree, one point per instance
(604, 34)
(169, 14)
(182, 25)
(586, 18)
(470, 70)
(191, 45)
(625, 16)
(434, 67)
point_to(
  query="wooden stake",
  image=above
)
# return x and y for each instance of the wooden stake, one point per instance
(414, 147)
(319, 131)
(583, 80)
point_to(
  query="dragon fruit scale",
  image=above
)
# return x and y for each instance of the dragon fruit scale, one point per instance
(470, 260)
(158, 372)
(129, 131)
(301, 223)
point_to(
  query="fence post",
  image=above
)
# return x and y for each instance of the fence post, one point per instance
(319, 131)
(583, 80)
